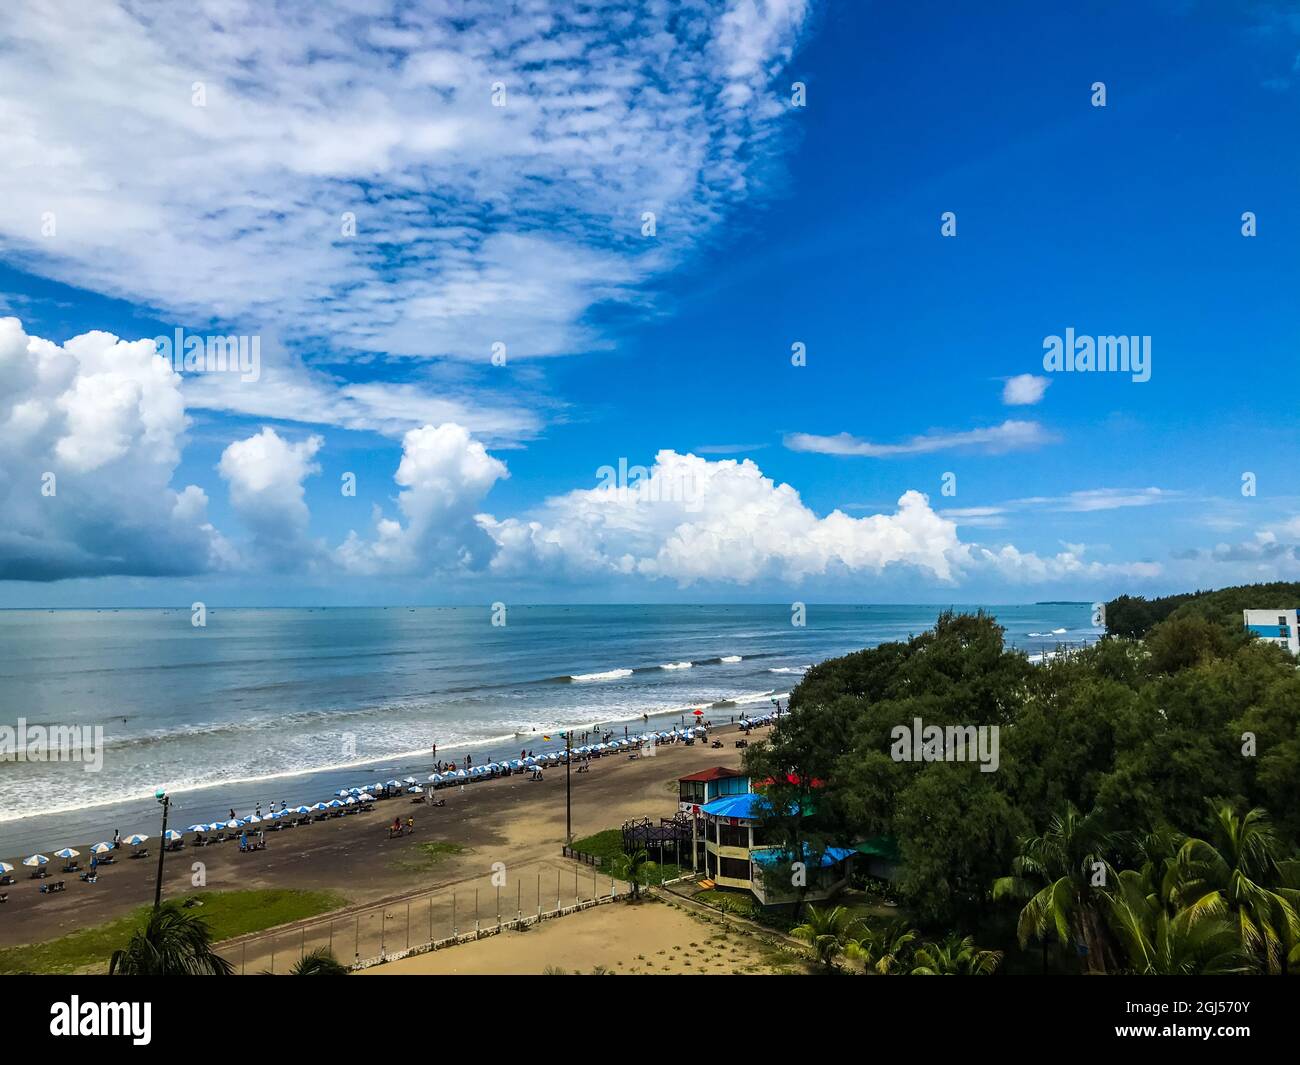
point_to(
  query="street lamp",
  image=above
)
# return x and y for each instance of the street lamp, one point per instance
(568, 788)
(164, 800)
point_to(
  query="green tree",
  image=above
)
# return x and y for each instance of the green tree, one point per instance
(826, 931)
(171, 943)
(634, 869)
(882, 951)
(1057, 874)
(320, 962)
(1238, 873)
(1158, 942)
(955, 956)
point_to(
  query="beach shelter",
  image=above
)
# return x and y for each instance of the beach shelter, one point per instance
(233, 823)
(302, 809)
(415, 789)
(171, 835)
(192, 828)
(393, 784)
(67, 853)
(36, 860)
(136, 839)
(410, 780)
(365, 796)
(343, 793)
(6, 868)
(102, 848)
(333, 804)
(351, 800)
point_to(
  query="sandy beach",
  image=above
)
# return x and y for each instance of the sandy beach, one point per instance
(648, 938)
(512, 820)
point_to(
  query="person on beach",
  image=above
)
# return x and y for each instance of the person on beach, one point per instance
(232, 815)
(410, 825)
(435, 752)
(117, 838)
(257, 810)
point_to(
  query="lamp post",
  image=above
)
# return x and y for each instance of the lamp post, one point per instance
(165, 801)
(568, 788)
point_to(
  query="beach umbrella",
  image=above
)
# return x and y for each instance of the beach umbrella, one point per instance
(394, 784)
(351, 800)
(460, 774)
(67, 852)
(409, 780)
(342, 793)
(302, 809)
(36, 859)
(192, 828)
(251, 819)
(415, 789)
(101, 848)
(332, 804)
(365, 796)
(216, 826)
(355, 791)
(136, 839)
(233, 823)
(171, 835)
(5, 867)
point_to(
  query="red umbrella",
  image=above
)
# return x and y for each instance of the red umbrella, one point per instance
(698, 713)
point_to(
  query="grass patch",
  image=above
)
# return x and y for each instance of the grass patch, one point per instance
(608, 847)
(426, 855)
(730, 902)
(228, 914)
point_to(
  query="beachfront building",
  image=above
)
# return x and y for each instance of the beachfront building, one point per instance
(703, 787)
(737, 856)
(1278, 627)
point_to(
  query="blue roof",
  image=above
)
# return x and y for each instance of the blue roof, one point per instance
(832, 855)
(748, 806)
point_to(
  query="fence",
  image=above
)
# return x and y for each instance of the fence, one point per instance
(368, 935)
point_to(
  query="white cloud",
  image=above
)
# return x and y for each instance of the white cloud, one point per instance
(1024, 390)
(1011, 435)
(444, 475)
(105, 418)
(474, 223)
(266, 473)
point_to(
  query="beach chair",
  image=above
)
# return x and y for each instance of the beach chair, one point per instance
(50, 889)
(142, 853)
(71, 867)
(89, 878)
(4, 896)
(6, 879)
(40, 874)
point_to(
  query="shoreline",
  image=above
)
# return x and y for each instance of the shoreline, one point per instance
(508, 819)
(73, 826)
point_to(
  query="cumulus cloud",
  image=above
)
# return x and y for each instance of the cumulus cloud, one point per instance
(692, 520)
(1024, 390)
(266, 474)
(1011, 435)
(91, 433)
(444, 475)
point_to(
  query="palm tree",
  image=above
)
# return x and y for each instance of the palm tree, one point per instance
(1238, 874)
(320, 962)
(956, 956)
(1055, 873)
(880, 950)
(172, 943)
(1159, 940)
(635, 863)
(826, 931)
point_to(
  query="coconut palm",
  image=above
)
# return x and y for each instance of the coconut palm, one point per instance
(880, 950)
(632, 870)
(826, 931)
(172, 943)
(1237, 873)
(320, 962)
(1057, 874)
(955, 956)
(1158, 940)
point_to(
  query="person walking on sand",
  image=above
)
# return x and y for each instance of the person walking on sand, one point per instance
(410, 826)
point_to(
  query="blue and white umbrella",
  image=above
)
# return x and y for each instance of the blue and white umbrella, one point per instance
(415, 789)
(233, 823)
(333, 804)
(394, 784)
(351, 800)
(302, 809)
(101, 848)
(216, 826)
(342, 793)
(365, 796)
(192, 828)
(460, 774)
(36, 860)
(136, 839)
(6, 868)
(171, 835)
(409, 780)
(67, 853)
(251, 819)
(435, 778)
(355, 791)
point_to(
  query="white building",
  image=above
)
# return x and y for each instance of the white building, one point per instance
(1281, 627)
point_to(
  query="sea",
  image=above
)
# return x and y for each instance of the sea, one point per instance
(259, 706)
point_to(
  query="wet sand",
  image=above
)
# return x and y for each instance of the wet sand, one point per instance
(513, 820)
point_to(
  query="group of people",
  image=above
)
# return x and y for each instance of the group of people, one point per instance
(398, 829)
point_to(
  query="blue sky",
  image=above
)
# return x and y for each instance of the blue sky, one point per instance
(522, 224)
